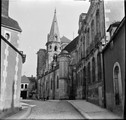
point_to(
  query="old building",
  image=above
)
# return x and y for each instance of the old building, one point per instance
(93, 37)
(41, 61)
(11, 63)
(89, 67)
(114, 68)
(24, 87)
(32, 88)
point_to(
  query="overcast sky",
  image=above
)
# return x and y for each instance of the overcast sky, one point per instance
(35, 19)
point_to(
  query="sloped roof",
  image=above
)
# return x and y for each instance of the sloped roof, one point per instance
(10, 23)
(115, 33)
(32, 79)
(65, 40)
(72, 45)
(24, 79)
(115, 24)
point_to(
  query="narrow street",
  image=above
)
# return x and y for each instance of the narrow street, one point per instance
(52, 109)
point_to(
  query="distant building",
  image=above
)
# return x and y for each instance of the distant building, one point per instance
(114, 68)
(11, 63)
(32, 88)
(24, 87)
(41, 61)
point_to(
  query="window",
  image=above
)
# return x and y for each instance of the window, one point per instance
(50, 47)
(97, 22)
(92, 30)
(56, 36)
(22, 86)
(55, 49)
(99, 67)
(88, 36)
(51, 83)
(93, 69)
(57, 82)
(84, 76)
(7, 36)
(46, 85)
(25, 86)
(88, 74)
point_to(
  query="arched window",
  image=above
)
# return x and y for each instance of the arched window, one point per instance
(55, 48)
(88, 74)
(22, 86)
(51, 83)
(92, 30)
(93, 69)
(25, 86)
(56, 37)
(7, 36)
(99, 67)
(88, 36)
(50, 47)
(117, 83)
(57, 82)
(97, 22)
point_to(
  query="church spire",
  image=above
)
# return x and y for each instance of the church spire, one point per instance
(54, 31)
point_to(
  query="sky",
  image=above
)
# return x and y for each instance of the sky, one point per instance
(35, 19)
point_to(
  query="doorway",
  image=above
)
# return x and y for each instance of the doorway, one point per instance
(24, 94)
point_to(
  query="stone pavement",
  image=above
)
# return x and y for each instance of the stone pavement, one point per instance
(53, 109)
(91, 111)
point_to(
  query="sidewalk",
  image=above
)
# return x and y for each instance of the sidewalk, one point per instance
(26, 109)
(91, 111)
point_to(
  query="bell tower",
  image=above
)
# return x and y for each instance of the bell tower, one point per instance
(53, 40)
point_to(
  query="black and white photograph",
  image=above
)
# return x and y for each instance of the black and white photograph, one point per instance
(62, 59)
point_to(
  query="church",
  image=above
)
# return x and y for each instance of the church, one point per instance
(53, 66)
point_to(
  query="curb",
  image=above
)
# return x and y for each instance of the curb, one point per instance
(22, 114)
(85, 115)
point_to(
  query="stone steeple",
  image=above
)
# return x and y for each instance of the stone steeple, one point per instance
(54, 31)
(53, 41)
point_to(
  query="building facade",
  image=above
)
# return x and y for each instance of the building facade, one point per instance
(89, 66)
(24, 87)
(114, 68)
(11, 63)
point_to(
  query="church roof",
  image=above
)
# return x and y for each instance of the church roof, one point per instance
(72, 45)
(54, 31)
(65, 40)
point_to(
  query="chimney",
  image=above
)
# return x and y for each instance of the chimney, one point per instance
(5, 8)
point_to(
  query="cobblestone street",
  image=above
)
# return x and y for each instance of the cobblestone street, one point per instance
(52, 110)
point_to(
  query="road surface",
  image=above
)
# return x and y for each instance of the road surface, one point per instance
(52, 109)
